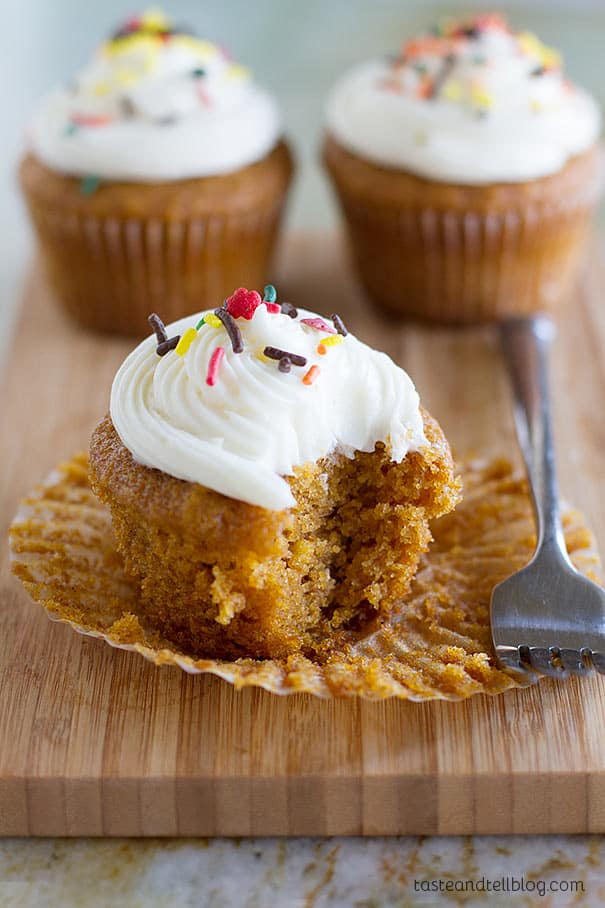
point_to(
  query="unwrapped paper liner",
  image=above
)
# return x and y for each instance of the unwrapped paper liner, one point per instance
(436, 645)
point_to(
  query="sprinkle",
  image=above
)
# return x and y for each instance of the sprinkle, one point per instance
(90, 120)
(339, 324)
(168, 345)
(71, 128)
(285, 364)
(452, 90)
(481, 98)
(276, 353)
(127, 107)
(201, 322)
(310, 376)
(318, 323)
(332, 341)
(322, 350)
(235, 335)
(273, 307)
(185, 341)
(89, 184)
(212, 320)
(214, 365)
(538, 71)
(289, 309)
(270, 294)
(442, 76)
(243, 303)
(198, 73)
(157, 325)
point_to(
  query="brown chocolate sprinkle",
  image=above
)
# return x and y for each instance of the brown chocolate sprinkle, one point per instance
(285, 364)
(289, 309)
(158, 327)
(235, 335)
(339, 324)
(167, 345)
(276, 353)
(443, 75)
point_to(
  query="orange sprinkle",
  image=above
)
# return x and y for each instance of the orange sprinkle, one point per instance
(310, 376)
(321, 349)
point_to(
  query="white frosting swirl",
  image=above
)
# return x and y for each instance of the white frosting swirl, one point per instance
(242, 435)
(156, 105)
(488, 106)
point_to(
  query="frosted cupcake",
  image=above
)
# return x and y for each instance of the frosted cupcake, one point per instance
(270, 477)
(156, 177)
(467, 169)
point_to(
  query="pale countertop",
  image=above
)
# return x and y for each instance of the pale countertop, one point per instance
(299, 49)
(297, 873)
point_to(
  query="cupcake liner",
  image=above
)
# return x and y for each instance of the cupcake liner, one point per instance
(450, 254)
(110, 263)
(435, 645)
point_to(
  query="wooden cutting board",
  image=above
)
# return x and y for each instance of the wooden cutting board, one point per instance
(95, 741)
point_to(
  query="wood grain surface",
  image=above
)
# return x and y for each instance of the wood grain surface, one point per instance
(95, 741)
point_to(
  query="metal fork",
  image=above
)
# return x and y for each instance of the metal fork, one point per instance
(546, 618)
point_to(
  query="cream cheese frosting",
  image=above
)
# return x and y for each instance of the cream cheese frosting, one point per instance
(155, 103)
(473, 103)
(236, 422)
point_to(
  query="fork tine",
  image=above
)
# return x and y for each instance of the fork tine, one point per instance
(541, 659)
(598, 660)
(511, 659)
(574, 662)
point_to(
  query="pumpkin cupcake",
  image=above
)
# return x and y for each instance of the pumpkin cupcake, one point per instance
(467, 169)
(156, 177)
(270, 478)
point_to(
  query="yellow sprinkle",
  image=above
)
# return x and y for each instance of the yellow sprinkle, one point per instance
(536, 106)
(185, 342)
(102, 88)
(452, 90)
(264, 359)
(237, 72)
(155, 19)
(480, 97)
(212, 320)
(332, 340)
(533, 47)
(205, 49)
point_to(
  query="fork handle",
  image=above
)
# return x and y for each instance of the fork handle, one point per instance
(525, 344)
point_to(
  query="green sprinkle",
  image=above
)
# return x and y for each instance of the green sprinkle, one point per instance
(90, 184)
(198, 72)
(270, 294)
(70, 129)
(200, 323)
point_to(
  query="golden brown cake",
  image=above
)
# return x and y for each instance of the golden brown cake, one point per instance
(266, 495)
(467, 170)
(157, 177)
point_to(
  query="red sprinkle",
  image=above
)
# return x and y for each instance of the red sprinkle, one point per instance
(319, 324)
(273, 307)
(214, 365)
(243, 303)
(90, 120)
(310, 376)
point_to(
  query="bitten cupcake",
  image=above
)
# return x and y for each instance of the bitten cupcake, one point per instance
(467, 169)
(270, 478)
(155, 177)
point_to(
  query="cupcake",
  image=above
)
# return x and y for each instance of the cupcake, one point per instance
(467, 169)
(270, 478)
(156, 177)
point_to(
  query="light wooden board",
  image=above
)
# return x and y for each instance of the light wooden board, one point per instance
(98, 742)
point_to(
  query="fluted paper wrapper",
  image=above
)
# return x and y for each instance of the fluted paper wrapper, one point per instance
(129, 249)
(465, 254)
(435, 645)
